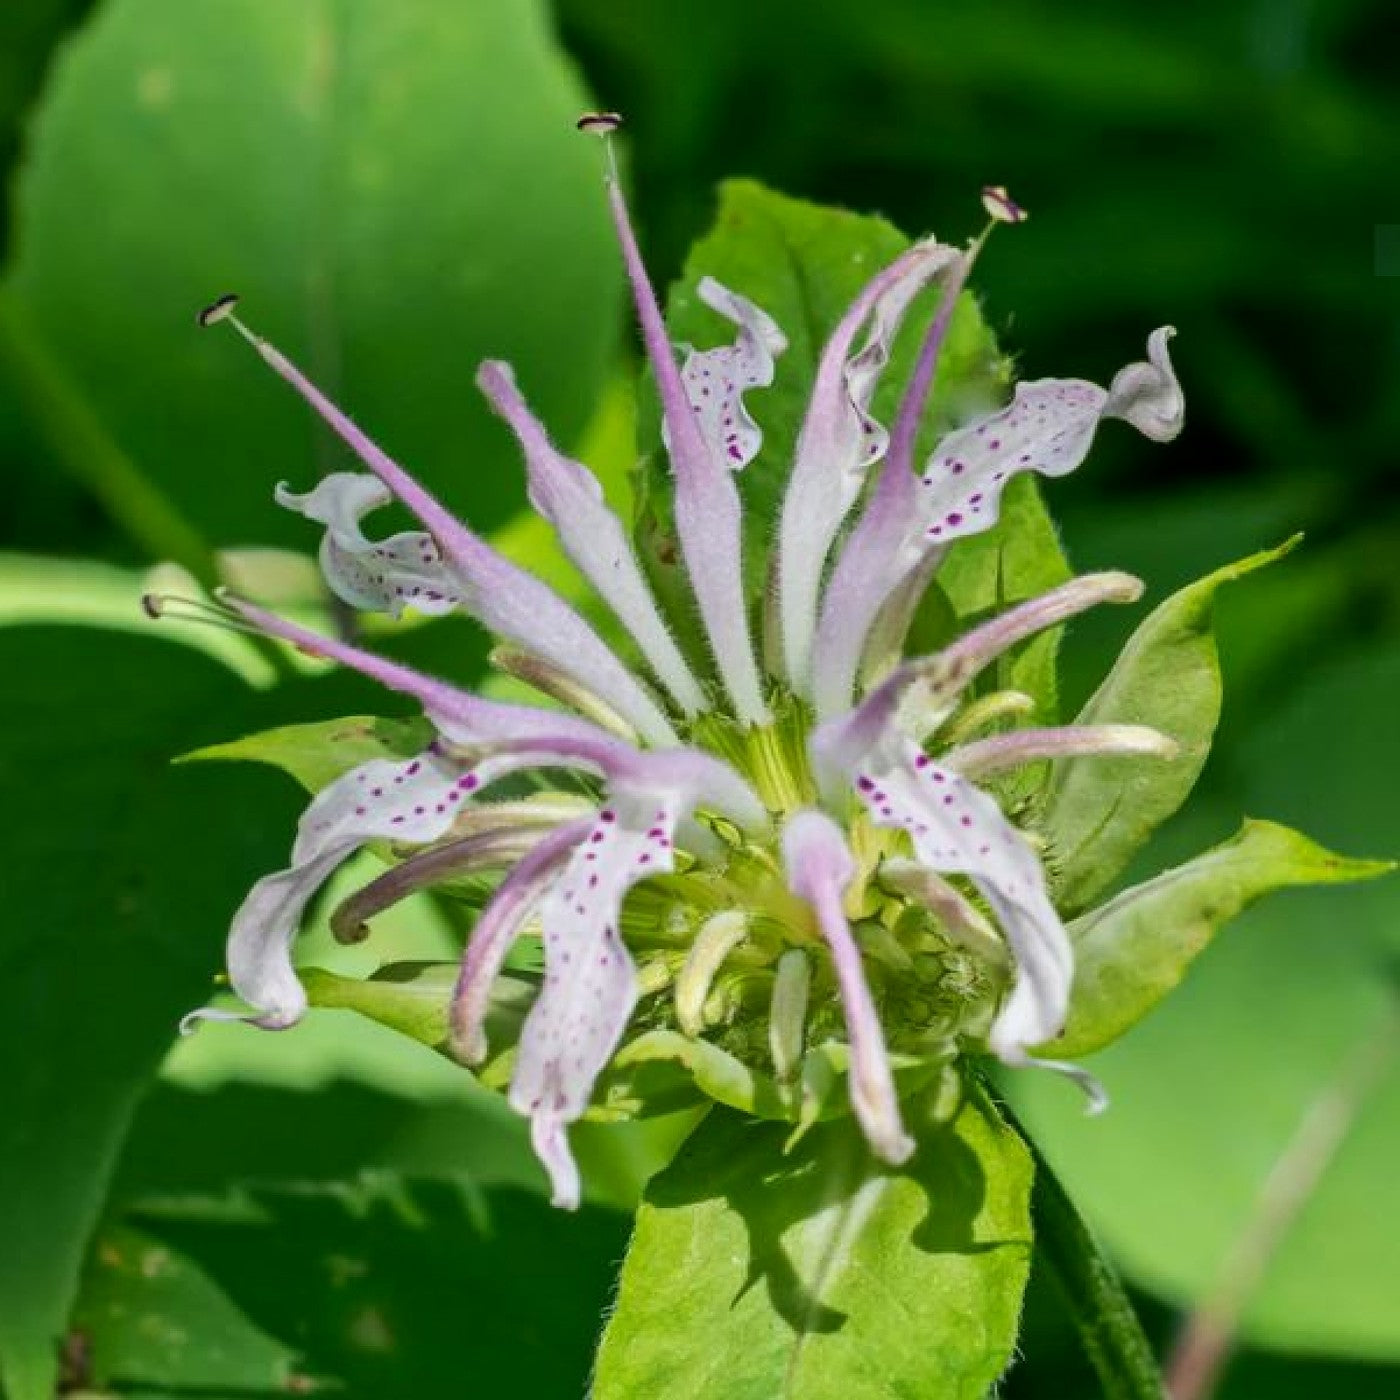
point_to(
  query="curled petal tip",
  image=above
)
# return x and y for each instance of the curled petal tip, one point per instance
(1114, 586)
(1147, 393)
(895, 1148)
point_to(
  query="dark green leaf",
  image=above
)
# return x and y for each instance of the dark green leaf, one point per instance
(114, 921)
(28, 35)
(821, 1273)
(387, 1289)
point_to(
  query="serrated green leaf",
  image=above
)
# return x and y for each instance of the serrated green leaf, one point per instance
(1131, 952)
(821, 1273)
(317, 754)
(1098, 811)
(804, 264)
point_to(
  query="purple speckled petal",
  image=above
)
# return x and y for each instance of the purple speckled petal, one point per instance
(512, 904)
(1047, 428)
(509, 600)
(716, 380)
(840, 441)
(709, 516)
(819, 867)
(389, 575)
(568, 495)
(956, 829)
(589, 986)
(414, 802)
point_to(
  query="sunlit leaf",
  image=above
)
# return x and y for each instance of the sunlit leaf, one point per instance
(821, 1273)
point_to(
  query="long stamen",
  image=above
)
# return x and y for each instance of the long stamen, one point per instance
(986, 756)
(172, 607)
(509, 600)
(350, 921)
(708, 511)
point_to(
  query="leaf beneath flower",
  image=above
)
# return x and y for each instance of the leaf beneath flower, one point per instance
(821, 1275)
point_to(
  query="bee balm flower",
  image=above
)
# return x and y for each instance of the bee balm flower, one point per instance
(824, 854)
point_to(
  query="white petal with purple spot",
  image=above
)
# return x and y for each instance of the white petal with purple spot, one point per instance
(716, 380)
(956, 829)
(590, 981)
(414, 802)
(389, 575)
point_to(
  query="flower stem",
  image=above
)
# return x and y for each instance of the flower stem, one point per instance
(1093, 1293)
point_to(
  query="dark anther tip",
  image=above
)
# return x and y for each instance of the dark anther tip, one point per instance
(599, 123)
(217, 311)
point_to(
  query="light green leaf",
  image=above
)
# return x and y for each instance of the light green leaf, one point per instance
(413, 998)
(1098, 811)
(396, 190)
(1133, 950)
(822, 1273)
(803, 264)
(318, 753)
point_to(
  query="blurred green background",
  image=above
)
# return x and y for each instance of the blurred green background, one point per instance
(397, 193)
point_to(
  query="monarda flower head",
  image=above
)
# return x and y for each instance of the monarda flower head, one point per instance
(792, 870)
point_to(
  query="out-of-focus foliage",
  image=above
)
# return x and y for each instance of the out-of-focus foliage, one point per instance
(394, 190)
